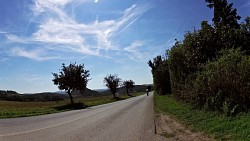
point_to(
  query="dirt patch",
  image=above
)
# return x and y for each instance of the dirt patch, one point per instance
(173, 130)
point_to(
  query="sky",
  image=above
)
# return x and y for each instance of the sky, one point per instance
(107, 36)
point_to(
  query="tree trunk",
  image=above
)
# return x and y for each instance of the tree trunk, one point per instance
(114, 94)
(127, 91)
(71, 98)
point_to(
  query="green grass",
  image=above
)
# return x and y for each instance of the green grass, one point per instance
(218, 126)
(17, 109)
(11, 109)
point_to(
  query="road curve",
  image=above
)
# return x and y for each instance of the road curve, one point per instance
(127, 120)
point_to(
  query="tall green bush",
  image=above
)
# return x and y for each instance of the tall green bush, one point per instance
(224, 85)
(204, 75)
(178, 68)
(160, 72)
(210, 67)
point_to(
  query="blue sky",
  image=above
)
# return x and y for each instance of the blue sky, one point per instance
(108, 36)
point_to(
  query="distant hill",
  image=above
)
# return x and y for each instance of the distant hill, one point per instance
(14, 96)
(61, 95)
(46, 96)
(100, 90)
(87, 93)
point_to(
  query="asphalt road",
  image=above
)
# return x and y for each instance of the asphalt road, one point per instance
(127, 120)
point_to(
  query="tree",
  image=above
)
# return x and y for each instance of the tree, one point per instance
(155, 63)
(244, 35)
(70, 78)
(246, 26)
(161, 77)
(128, 85)
(112, 82)
(223, 84)
(202, 74)
(178, 68)
(224, 14)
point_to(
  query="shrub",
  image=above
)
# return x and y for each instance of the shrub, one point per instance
(224, 85)
(161, 76)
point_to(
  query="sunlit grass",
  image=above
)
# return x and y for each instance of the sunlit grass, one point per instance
(219, 126)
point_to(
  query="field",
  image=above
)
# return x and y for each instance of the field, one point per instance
(11, 109)
(218, 126)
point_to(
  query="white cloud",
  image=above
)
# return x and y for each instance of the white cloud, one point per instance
(59, 29)
(34, 55)
(49, 5)
(133, 51)
(133, 47)
(14, 38)
(3, 32)
(55, 32)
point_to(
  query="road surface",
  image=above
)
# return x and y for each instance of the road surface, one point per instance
(127, 120)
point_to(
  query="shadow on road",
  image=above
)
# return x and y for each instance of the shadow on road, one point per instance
(74, 106)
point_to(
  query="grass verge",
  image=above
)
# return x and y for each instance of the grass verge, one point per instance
(220, 127)
(12, 109)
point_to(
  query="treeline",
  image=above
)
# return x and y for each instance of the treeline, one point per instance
(74, 78)
(50, 96)
(43, 97)
(123, 90)
(210, 68)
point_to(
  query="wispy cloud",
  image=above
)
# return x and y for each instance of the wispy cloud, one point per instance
(29, 77)
(16, 39)
(133, 51)
(3, 59)
(59, 29)
(41, 6)
(170, 43)
(246, 4)
(3, 32)
(34, 54)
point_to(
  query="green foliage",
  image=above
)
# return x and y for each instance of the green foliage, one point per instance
(72, 77)
(228, 32)
(223, 85)
(209, 68)
(157, 61)
(160, 74)
(246, 26)
(129, 85)
(177, 67)
(224, 14)
(200, 46)
(244, 35)
(112, 82)
(186, 58)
